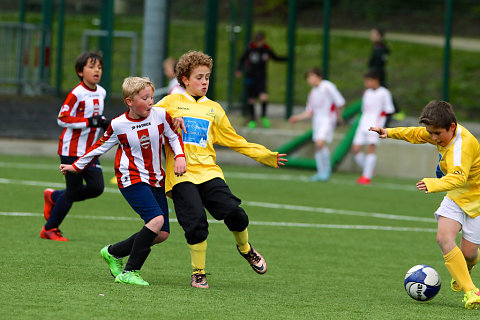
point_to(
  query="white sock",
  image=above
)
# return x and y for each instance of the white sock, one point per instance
(360, 159)
(326, 159)
(319, 161)
(370, 161)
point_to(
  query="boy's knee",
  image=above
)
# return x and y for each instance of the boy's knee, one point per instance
(237, 220)
(95, 191)
(196, 236)
(162, 236)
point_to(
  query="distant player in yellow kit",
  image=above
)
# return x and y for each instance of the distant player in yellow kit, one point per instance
(203, 186)
(458, 173)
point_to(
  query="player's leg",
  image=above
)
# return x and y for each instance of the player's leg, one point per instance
(450, 219)
(264, 102)
(370, 161)
(471, 253)
(252, 96)
(322, 160)
(193, 219)
(94, 184)
(223, 205)
(141, 198)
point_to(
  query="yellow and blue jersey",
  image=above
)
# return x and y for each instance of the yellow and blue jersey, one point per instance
(458, 170)
(206, 124)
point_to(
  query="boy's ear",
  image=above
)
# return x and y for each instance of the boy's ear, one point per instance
(453, 126)
(184, 80)
(128, 101)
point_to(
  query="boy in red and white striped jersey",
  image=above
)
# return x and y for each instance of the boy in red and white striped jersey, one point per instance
(82, 120)
(138, 134)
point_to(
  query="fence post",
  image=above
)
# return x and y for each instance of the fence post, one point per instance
(326, 37)
(46, 42)
(231, 67)
(292, 6)
(211, 20)
(447, 49)
(106, 43)
(155, 40)
(59, 74)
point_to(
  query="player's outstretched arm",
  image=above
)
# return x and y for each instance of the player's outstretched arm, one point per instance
(382, 132)
(65, 168)
(281, 161)
(422, 186)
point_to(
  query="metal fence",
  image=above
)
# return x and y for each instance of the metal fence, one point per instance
(20, 58)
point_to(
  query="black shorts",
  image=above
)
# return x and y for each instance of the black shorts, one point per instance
(255, 87)
(191, 200)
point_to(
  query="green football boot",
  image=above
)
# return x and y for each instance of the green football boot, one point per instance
(115, 264)
(131, 277)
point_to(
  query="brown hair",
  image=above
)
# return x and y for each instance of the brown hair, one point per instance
(190, 61)
(316, 71)
(438, 114)
(82, 61)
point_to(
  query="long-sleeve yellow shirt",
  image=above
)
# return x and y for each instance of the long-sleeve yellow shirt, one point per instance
(206, 124)
(458, 170)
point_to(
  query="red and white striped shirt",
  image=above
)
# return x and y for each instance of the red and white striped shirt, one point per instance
(80, 104)
(138, 157)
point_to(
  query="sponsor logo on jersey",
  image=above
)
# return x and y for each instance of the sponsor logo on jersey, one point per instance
(145, 141)
(139, 126)
(197, 131)
(211, 113)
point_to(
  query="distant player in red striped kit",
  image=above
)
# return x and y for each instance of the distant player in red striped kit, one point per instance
(138, 134)
(82, 120)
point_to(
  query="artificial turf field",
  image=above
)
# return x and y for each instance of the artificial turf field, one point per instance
(334, 250)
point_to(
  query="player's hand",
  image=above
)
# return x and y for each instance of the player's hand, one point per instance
(96, 121)
(422, 186)
(105, 123)
(292, 119)
(382, 132)
(238, 73)
(178, 123)
(281, 161)
(180, 166)
(66, 168)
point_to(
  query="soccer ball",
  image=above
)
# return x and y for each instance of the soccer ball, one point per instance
(422, 282)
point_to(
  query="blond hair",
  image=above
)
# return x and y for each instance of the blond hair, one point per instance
(133, 85)
(190, 61)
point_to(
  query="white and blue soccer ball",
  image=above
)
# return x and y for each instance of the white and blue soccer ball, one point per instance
(422, 282)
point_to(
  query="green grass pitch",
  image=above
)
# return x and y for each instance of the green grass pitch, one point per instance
(334, 250)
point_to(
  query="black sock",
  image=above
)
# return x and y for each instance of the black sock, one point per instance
(251, 111)
(123, 248)
(264, 109)
(140, 249)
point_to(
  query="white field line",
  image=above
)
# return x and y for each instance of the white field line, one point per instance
(235, 175)
(276, 206)
(257, 223)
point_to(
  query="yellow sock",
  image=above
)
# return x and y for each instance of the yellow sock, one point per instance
(471, 264)
(198, 253)
(457, 266)
(242, 240)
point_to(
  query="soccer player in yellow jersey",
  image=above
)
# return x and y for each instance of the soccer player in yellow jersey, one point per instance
(458, 173)
(204, 123)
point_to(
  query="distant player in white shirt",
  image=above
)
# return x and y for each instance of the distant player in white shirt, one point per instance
(169, 71)
(377, 103)
(139, 134)
(324, 105)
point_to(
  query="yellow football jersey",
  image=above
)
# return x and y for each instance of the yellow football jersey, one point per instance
(206, 124)
(458, 170)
